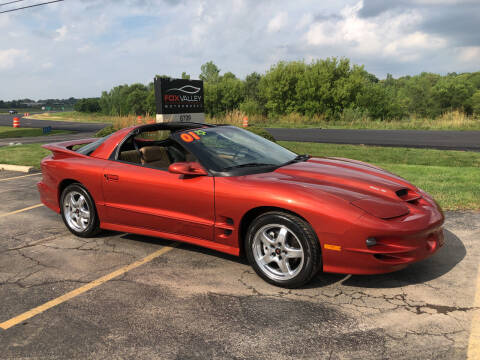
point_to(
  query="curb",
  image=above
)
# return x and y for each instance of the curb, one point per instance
(25, 169)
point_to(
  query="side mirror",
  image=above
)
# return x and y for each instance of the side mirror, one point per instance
(187, 168)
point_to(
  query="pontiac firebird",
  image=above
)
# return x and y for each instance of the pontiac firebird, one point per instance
(227, 189)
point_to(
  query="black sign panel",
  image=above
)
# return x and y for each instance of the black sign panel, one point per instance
(178, 96)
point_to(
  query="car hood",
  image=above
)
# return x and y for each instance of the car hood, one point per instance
(366, 186)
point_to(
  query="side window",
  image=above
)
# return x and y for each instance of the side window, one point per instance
(129, 153)
(154, 149)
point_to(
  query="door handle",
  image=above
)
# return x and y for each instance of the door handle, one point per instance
(111, 177)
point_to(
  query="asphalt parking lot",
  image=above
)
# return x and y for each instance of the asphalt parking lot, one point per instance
(186, 302)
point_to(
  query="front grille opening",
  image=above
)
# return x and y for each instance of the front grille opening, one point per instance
(394, 258)
(385, 257)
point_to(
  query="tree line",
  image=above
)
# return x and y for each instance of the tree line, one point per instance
(24, 103)
(330, 88)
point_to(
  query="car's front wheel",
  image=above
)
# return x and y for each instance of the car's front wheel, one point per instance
(78, 211)
(283, 249)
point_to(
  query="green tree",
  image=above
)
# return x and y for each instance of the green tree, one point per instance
(250, 107)
(229, 76)
(278, 87)
(416, 93)
(475, 101)
(232, 93)
(209, 72)
(452, 92)
(212, 99)
(136, 102)
(329, 86)
(90, 105)
(251, 86)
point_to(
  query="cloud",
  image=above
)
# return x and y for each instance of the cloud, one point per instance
(11, 57)
(373, 8)
(80, 48)
(277, 22)
(61, 33)
(305, 20)
(469, 54)
(47, 65)
(394, 35)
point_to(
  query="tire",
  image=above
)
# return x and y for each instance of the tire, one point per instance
(74, 213)
(283, 249)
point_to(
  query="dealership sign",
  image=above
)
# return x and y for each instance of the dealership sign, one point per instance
(179, 100)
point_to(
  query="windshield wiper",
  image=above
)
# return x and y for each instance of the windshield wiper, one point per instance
(298, 158)
(246, 165)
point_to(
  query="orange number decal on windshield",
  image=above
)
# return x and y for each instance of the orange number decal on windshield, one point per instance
(187, 138)
(195, 136)
(192, 135)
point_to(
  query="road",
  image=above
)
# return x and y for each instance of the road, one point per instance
(194, 303)
(82, 130)
(6, 120)
(445, 140)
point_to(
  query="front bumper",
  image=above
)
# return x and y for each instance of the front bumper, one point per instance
(399, 242)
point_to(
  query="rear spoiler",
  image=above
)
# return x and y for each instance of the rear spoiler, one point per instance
(65, 148)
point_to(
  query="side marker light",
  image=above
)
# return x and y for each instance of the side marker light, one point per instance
(332, 247)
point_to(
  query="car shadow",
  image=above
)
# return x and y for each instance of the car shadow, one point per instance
(442, 262)
(446, 258)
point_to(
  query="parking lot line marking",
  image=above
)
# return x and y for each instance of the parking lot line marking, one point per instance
(21, 210)
(474, 341)
(70, 295)
(18, 177)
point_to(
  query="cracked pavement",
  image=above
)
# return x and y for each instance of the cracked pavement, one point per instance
(193, 303)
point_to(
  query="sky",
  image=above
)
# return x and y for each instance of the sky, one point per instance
(81, 47)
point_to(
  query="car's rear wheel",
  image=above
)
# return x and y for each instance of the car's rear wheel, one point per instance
(283, 249)
(78, 211)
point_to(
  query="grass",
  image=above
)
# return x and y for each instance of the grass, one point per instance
(451, 177)
(74, 116)
(453, 120)
(10, 132)
(118, 122)
(29, 155)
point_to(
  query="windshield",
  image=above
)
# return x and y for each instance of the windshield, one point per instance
(225, 148)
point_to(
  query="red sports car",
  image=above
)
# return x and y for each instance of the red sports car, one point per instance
(230, 190)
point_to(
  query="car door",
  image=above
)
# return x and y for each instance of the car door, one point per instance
(156, 199)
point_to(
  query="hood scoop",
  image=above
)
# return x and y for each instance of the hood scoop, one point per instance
(408, 195)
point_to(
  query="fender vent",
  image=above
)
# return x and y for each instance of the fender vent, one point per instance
(408, 195)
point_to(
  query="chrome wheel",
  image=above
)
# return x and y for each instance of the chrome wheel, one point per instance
(76, 211)
(278, 252)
